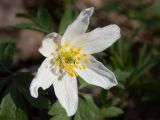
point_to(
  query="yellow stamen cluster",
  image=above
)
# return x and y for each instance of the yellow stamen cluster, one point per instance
(69, 58)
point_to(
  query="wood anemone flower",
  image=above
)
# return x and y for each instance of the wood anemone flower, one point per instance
(69, 56)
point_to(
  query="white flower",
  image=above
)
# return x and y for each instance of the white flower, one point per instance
(69, 55)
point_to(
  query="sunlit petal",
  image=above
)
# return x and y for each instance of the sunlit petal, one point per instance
(79, 26)
(99, 39)
(67, 94)
(97, 74)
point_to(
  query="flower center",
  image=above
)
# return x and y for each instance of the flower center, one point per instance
(69, 58)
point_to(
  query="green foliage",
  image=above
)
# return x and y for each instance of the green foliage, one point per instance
(111, 112)
(30, 26)
(66, 19)
(9, 111)
(122, 75)
(127, 69)
(17, 94)
(41, 21)
(23, 82)
(85, 111)
(91, 103)
(146, 12)
(14, 88)
(12, 103)
(6, 54)
(57, 112)
(45, 20)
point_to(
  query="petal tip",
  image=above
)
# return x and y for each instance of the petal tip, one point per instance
(90, 10)
(114, 30)
(112, 84)
(34, 91)
(87, 11)
(71, 113)
(40, 50)
(117, 29)
(115, 83)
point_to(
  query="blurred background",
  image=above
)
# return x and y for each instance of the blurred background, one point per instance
(135, 59)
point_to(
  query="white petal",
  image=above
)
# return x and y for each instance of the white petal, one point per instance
(67, 93)
(50, 44)
(99, 39)
(79, 26)
(97, 74)
(43, 79)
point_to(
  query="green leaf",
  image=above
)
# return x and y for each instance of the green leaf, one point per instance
(40, 102)
(118, 58)
(122, 75)
(32, 15)
(25, 26)
(31, 26)
(85, 111)
(57, 112)
(45, 20)
(41, 21)
(6, 54)
(146, 61)
(111, 112)
(66, 19)
(91, 103)
(9, 111)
